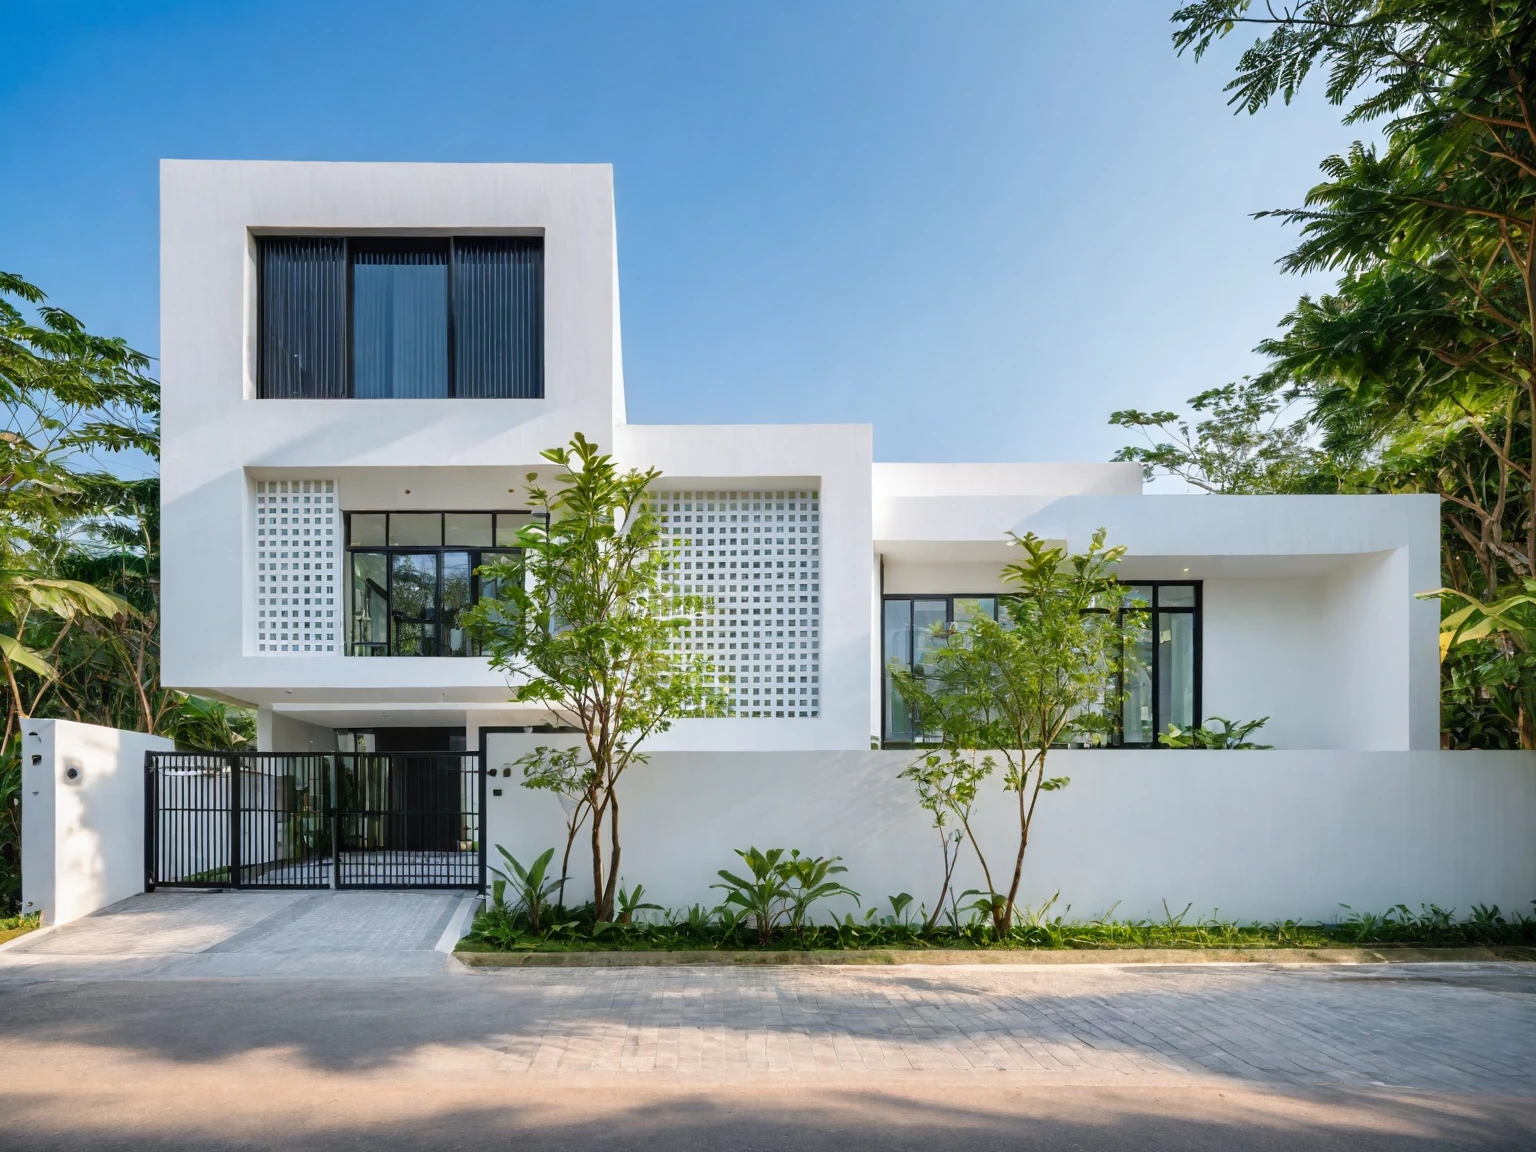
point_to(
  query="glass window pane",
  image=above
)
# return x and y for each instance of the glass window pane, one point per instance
(1176, 596)
(968, 606)
(898, 647)
(400, 321)
(508, 525)
(1136, 720)
(1175, 669)
(456, 569)
(1137, 594)
(370, 604)
(415, 529)
(413, 604)
(488, 583)
(467, 529)
(366, 528)
(930, 622)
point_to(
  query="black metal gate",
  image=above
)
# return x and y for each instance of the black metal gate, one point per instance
(314, 820)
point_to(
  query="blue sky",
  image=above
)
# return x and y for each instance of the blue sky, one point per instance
(980, 227)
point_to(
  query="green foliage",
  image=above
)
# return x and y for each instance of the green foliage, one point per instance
(1420, 366)
(501, 929)
(531, 890)
(10, 827)
(1231, 734)
(809, 880)
(14, 926)
(78, 552)
(583, 622)
(946, 784)
(764, 895)
(1504, 631)
(780, 888)
(632, 901)
(1045, 674)
(198, 724)
(1247, 442)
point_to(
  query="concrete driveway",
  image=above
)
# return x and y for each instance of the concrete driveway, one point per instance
(186, 935)
(329, 1021)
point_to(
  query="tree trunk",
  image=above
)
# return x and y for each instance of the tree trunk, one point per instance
(597, 863)
(614, 852)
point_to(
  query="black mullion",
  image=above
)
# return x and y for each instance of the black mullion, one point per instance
(389, 596)
(1199, 668)
(346, 323)
(453, 384)
(1157, 664)
(437, 604)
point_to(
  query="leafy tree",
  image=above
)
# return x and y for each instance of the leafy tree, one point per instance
(584, 619)
(66, 394)
(947, 783)
(566, 772)
(1508, 624)
(1434, 319)
(1045, 673)
(1247, 442)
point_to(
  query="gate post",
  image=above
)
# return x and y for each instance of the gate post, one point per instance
(151, 818)
(335, 759)
(234, 821)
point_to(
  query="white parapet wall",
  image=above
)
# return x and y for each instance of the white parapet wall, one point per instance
(1242, 835)
(82, 816)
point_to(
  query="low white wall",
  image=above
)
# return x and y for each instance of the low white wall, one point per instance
(82, 835)
(1251, 835)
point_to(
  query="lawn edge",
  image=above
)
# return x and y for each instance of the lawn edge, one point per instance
(1019, 956)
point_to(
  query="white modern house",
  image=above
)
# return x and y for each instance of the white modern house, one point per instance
(361, 363)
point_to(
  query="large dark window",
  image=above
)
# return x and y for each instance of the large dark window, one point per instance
(414, 573)
(401, 318)
(1160, 673)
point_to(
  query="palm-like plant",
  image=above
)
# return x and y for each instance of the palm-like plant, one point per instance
(532, 890)
(764, 897)
(1510, 624)
(808, 879)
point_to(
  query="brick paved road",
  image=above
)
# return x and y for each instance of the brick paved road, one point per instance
(1465, 1028)
(313, 1020)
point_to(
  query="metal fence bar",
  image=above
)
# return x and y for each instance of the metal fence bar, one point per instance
(314, 820)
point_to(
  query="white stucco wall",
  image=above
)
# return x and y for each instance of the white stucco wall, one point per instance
(1251, 835)
(82, 836)
(218, 438)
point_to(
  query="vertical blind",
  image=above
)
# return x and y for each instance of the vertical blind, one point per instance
(498, 321)
(408, 318)
(303, 302)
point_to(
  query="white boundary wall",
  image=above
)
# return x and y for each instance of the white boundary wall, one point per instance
(1252, 835)
(82, 836)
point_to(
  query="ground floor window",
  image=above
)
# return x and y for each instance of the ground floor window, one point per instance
(1160, 674)
(413, 574)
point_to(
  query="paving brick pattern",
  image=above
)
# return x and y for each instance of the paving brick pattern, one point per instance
(1456, 1028)
(1461, 1028)
(183, 935)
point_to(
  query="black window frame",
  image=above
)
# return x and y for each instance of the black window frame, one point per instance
(478, 555)
(1197, 610)
(423, 241)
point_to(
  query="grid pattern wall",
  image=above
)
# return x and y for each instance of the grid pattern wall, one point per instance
(297, 557)
(755, 559)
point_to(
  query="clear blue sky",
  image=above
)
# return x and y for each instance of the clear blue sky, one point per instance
(979, 226)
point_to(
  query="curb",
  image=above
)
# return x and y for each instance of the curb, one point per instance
(458, 927)
(950, 956)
